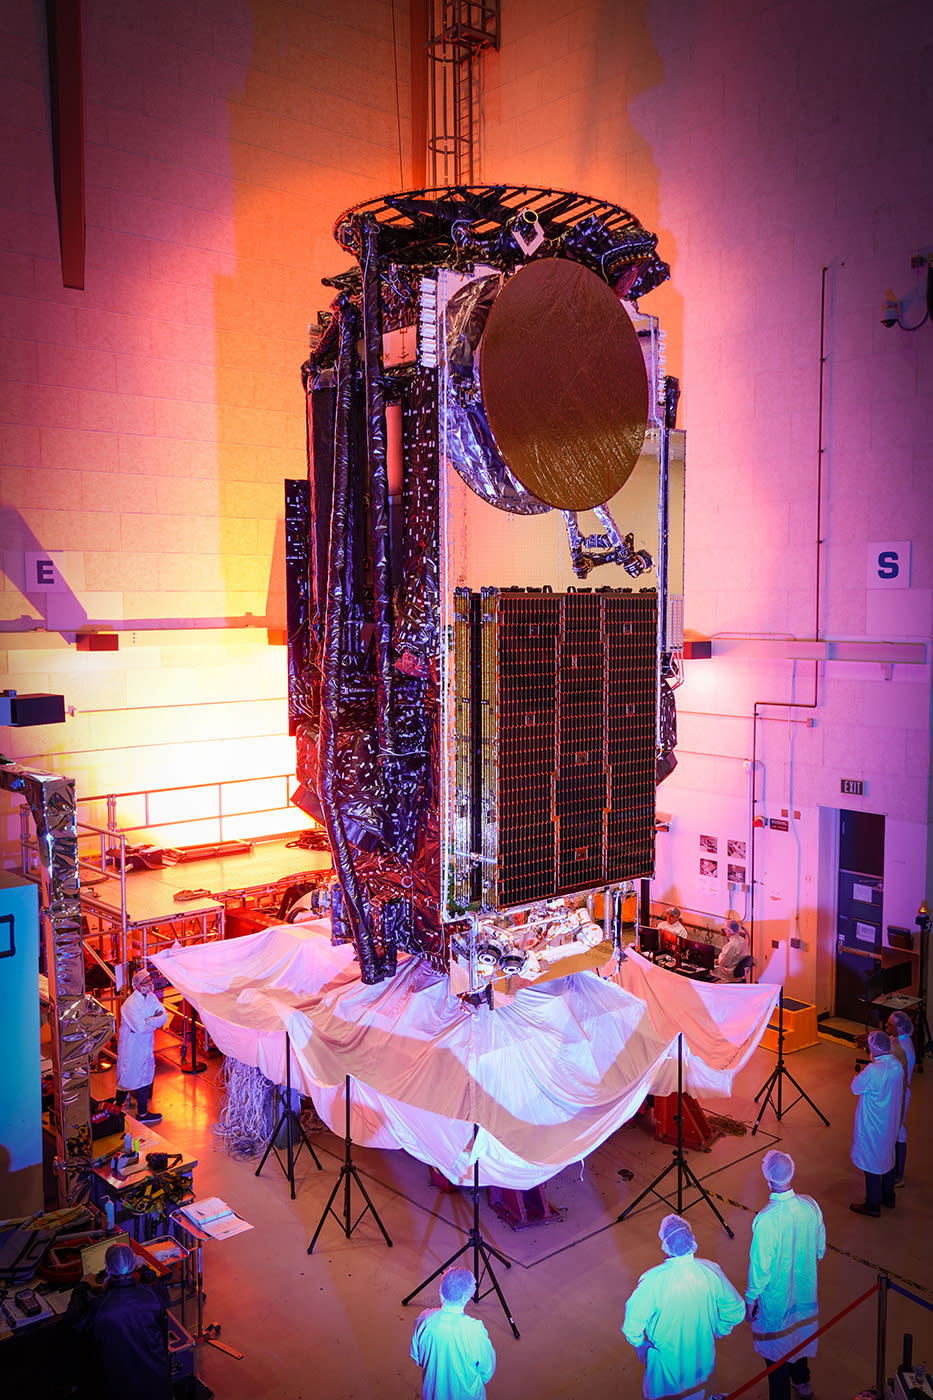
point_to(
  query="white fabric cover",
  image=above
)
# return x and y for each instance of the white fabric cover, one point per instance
(788, 1240)
(547, 1078)
(722, 1025)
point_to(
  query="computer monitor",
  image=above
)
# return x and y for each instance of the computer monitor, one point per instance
(700, 954)
(670, 943)
(648, 940)
(894, 979)
(889, 979)
(94, 1256)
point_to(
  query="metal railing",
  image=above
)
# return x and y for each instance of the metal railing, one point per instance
(218, 816)
(882, 1286)
(107, 857)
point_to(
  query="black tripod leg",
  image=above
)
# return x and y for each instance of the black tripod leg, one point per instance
(648, 1190)
(804, 1095)
(694, 1182)
(271, 1143)
(437, 1272)
(308, 1145)
(369, 1206)
(491, 1249)
(485, 1250)
(769, 1086)
(332, 1198)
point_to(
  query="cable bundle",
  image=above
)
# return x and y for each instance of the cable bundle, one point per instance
(247, 1114)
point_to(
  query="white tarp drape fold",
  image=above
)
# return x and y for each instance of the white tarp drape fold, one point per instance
(547, 1078)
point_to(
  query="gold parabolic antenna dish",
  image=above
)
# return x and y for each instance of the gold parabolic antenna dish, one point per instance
(564, 385)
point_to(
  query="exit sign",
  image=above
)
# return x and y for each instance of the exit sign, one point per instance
(853, 786)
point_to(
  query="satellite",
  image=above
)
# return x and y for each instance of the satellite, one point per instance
(481, 686)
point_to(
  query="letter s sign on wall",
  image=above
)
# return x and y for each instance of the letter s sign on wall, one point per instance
(889, 564)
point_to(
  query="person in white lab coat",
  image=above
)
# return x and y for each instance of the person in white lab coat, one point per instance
(453, 1350)
(678, 1310)
(788, 1239)
(881, 1089)
(672, 923)
(140, 1017)
(732, 952)
(900, 1028)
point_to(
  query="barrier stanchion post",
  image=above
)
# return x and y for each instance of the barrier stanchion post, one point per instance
(882, 1334)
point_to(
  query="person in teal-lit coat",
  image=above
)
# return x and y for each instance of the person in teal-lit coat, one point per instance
(676, 1314)
(788, 1241)
(453, 1350)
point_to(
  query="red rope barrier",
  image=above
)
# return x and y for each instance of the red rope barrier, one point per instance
(734, 1394)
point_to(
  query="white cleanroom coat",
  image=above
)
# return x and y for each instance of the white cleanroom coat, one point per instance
(678, 1310)
(906, 1043)
(454, 1353)
(731, 954)
(788, 1238)
(878, 1113)
(140, 1017)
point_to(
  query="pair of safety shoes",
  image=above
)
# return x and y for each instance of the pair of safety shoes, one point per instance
(863, 1208)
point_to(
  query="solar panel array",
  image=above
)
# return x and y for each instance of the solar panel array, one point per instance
(562, 770)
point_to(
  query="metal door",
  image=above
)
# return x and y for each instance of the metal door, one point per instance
(860, 909)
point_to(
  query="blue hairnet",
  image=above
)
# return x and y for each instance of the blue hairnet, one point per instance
(119, 1260)
(778, 1168)
(676, 1236)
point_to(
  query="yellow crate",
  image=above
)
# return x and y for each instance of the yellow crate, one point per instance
(799, 1027)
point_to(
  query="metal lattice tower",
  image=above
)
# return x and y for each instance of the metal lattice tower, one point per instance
(459, 32)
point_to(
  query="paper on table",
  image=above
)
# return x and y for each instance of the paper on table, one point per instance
(231, 1224)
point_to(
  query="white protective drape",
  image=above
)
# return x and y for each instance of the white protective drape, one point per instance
(547, 1078)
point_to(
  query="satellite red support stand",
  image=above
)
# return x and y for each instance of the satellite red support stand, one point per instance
(697, 1132)
(522, 1208)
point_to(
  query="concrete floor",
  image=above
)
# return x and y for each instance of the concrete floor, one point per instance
(332, 1325)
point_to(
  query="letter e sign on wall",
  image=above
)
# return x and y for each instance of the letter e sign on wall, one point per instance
(43, 573)
(889, 564)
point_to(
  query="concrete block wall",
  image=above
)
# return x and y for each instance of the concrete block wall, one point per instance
(147, 422)
(764, 143)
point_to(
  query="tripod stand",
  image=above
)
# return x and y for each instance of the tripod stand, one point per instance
(679, 1164)
(189, 1043)
(288, 1119)
(776, 1078)
(348, 1173)
(481, 1251)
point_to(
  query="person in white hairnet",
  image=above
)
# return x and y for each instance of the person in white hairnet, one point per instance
(880, 1089)
(732, 952)
(453, 1350)
(678, 1310)
(900, 1028)
(140, 1017)
(122, 1322)
(788, 1240)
